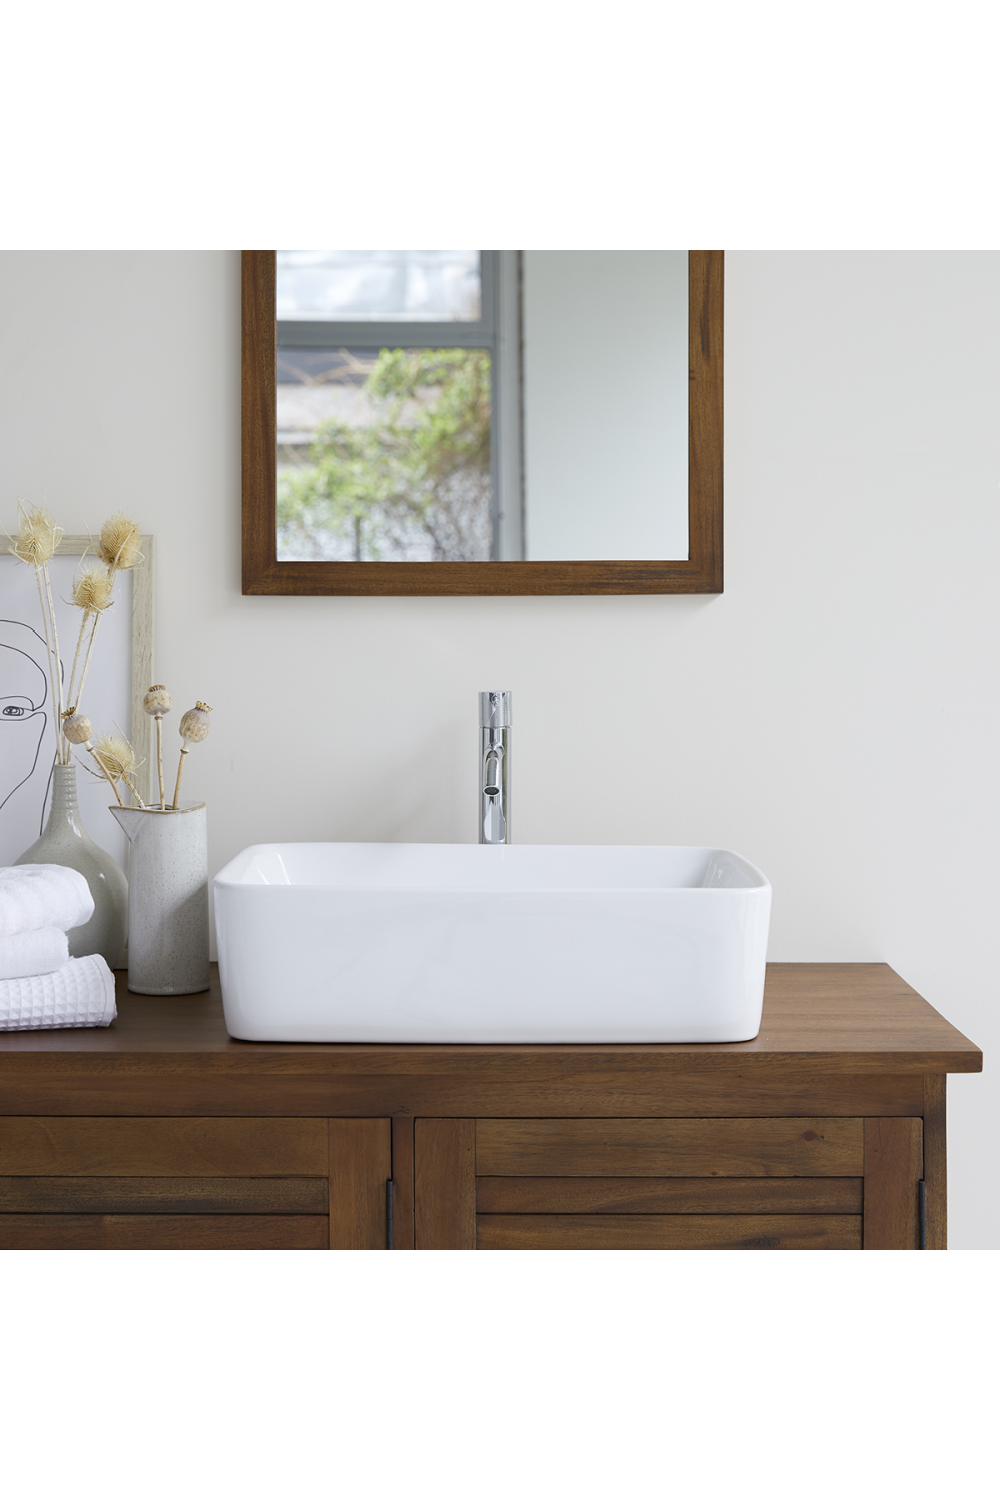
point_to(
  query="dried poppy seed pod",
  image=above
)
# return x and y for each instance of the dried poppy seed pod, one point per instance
(195, 724)
(76, 727)
(157, 701)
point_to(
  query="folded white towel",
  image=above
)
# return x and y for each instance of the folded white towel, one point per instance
(37, 952)
(81, 993)
(33, 896)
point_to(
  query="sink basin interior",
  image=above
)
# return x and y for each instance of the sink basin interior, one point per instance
(480, 867)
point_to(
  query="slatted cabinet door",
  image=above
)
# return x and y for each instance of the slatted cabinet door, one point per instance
(667, 1184)
(722, 1184)
(166, 1183)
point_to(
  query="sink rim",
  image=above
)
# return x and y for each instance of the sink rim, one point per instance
(237, 874)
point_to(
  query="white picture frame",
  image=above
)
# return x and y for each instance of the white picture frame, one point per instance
(121, 672)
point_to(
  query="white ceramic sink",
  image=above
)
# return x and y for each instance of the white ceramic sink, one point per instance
(468, 943)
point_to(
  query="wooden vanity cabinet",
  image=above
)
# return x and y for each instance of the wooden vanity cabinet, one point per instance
(825, 1132)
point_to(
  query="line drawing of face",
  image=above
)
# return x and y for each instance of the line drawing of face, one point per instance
(24, 688)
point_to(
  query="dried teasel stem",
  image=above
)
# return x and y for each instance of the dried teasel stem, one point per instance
(92, 593)
(117, 759)
(90, 652)
(50, 656)
(125, 762)
(76, 658)
(111, 780)
(159, 702)
(62, 755)
(38, 536)
(55, 661)
(118, 547)
(194, 726)
(37, 540)
(134, 790)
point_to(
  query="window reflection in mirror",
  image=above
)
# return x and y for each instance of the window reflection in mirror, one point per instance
(384, 450)
(369, 286)
(442, 406)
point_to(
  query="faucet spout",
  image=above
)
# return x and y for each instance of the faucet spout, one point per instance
(493, 776)
(494, 764)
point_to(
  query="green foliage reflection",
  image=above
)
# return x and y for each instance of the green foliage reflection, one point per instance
(414, 481)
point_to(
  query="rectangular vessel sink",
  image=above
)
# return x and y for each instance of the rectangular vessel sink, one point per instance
(468, 943)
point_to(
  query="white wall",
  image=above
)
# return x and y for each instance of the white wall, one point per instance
(833, 715)
(605, 403)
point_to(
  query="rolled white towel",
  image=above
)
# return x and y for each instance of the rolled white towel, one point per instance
(37, 952)
(81, 993)
(33, 896)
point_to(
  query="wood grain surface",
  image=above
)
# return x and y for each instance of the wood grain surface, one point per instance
(164, 1195)
(402, 1176)
(936, 1161)
(169, 1147)
(360, 1167)
(670, 1148)
(894, 1165)
(668, 1195)
(668, 1232)
(162, 1232)
(706, 332)
(259, 418)
(819, 1021)
(444, 1161)
(574, 1088)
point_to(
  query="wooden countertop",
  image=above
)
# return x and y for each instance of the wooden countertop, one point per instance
(850, 1019)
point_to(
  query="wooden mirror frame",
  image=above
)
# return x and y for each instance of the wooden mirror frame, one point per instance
(700, 573)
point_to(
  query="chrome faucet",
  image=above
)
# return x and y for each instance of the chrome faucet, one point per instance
(494, 767)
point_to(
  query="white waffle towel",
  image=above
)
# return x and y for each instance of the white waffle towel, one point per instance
(33, 896)
(36, 952)
(81, 993)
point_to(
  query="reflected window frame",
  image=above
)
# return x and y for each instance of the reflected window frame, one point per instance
(700, 573)
(498, 331)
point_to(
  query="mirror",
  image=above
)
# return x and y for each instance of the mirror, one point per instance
(463, 422)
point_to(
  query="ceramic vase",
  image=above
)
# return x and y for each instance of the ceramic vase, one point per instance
(168, 899)
(65, 841)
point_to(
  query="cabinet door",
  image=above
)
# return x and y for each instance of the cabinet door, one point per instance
(360, 1170)
(193, 1184)
(780, 1183)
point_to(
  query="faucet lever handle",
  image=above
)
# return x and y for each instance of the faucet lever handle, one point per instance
(495, 710)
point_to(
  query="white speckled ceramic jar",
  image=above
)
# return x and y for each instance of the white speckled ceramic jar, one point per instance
(167, 899)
